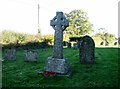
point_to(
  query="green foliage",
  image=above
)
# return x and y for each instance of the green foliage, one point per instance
(104, 73)
(66, 37)
(39, 36)
(79, 23)
(105, 36)
(48, 39)
(21, 38)
(109, 37)
(9, 37)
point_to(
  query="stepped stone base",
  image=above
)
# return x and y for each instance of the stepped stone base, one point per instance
(59, 67)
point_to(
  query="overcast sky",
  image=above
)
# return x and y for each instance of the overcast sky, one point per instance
(22, 15)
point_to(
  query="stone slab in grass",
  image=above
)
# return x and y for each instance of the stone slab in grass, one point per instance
(10, 54)
(31, 55)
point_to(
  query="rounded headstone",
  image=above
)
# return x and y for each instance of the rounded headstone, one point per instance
(87, 48)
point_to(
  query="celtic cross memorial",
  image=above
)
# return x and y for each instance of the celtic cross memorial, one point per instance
(57, 64)
(59, 24)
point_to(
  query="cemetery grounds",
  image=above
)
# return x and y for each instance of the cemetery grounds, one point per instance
(104, 73)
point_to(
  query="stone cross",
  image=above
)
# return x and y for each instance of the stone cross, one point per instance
(59, 24)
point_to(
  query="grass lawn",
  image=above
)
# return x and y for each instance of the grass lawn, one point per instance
(104, 73)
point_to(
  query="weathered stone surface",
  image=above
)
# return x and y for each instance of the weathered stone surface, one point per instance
(69, 45)
(10, 54)
(87, 48)
(75, 45)
(60, 66)
(57, 64)
(31, 55)
(59, 24)
(79, 42)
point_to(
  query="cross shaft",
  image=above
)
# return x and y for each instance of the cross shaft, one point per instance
(59, 23)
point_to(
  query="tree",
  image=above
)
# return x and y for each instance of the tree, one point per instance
(48, 39)
(78, 23)
(105, 36)
(8, 37)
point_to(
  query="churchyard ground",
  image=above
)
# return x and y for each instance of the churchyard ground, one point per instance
(104, 73)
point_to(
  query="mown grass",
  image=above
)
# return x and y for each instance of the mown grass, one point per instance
(104, 73)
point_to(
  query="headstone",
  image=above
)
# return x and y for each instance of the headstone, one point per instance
(57, 64)
(10, 54)
(68, 45)
(102, 43)
(75, 45)
(106, 43)
(87, 48)
(79, 42)
(115, 43)
(64, 43)
(31, 55)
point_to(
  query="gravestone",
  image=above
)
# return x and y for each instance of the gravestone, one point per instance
(57, 64)
(75, 45)
(64, 43)
(115, 43)
(31, 55)
(79, 42)
(10, 54)
(87, 48)
(68, 45)
(106, 43)
(102, 43)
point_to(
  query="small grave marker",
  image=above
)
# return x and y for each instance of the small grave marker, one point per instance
(31, 55)
(69, 45)
(75, 45)
(10, 54)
